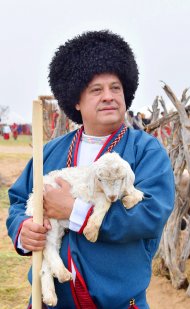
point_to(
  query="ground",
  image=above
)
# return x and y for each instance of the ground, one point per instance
(14, 288)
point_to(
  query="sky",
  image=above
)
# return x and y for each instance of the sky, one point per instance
(30, 32)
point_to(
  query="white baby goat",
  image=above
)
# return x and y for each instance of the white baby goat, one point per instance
(108, 179)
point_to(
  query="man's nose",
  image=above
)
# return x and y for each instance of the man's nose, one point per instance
(107, 95)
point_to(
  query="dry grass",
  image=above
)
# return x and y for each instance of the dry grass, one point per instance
(14, 287)
(22, 140)
(13, 156)
(4, 197)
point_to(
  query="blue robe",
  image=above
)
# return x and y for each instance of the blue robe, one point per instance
(117, 267)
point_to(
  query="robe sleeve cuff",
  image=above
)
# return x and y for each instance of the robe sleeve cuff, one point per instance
(78, 215)
(17, 244)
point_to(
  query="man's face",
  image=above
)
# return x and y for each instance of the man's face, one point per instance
(102, 105)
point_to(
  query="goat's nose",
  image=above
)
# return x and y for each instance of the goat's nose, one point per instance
(112, 197)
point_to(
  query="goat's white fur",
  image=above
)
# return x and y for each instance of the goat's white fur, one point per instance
(108, 179)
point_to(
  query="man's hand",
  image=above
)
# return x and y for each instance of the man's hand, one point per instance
(33, 235)
(58, 203)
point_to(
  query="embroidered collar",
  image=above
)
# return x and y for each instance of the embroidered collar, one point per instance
(73, 149)
(100, 140)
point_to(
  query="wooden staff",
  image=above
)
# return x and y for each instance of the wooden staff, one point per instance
(37, 135)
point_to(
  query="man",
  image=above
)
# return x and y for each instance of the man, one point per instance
(15, 131)
(6, 131)
(94, 78)
(137, 122)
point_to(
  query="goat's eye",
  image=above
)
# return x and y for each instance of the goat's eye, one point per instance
(99, 179)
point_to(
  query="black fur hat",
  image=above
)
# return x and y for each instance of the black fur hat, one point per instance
(77, 61)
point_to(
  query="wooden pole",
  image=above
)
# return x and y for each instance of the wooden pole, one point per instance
(37, 135)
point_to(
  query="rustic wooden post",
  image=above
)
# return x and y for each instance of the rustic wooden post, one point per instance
(60, 126)
(37, 134)
(174, 248)
(47, 114)
(155, 109)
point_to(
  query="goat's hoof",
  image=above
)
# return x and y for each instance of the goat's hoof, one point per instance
(91, 234)
(64, 276)
(128, 201)
(50, 299)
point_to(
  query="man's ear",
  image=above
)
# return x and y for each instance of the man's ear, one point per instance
(77, 107)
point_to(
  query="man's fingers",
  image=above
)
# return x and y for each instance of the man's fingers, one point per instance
(34, 243)
(47, 188)
(34, 227)
(47, 223)
(39, 229)
(33, 235)
(61, 182)
(31, 247)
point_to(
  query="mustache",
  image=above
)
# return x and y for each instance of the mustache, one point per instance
(107, 107)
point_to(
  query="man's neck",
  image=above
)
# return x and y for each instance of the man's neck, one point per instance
(105, 131)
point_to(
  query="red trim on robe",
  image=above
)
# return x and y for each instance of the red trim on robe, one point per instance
(77, 146)
(90, 211)
(71, 282)
(107, 142)
(83, 291)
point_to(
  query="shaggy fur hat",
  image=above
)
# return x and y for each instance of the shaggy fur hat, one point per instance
(77, 61)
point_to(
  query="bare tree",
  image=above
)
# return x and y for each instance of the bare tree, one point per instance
(4, 109)
(174, 248)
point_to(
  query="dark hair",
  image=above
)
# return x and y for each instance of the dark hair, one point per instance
(77, 61)
(131, 113)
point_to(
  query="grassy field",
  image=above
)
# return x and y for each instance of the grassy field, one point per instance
(22, 140)
(14, 287)
(4, 197)
(13, 156)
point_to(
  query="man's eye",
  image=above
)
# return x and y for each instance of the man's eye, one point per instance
(95, 90)
(116, 88)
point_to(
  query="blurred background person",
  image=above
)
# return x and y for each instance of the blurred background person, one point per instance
(14, 130)
(129, 118)
(137, 122)
(6, 131)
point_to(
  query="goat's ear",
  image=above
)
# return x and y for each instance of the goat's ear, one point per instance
(91, 181)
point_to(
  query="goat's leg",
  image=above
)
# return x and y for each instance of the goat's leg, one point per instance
(132, 198)
(57, 267)
(94, 222)
(51, 253)
(48, 289)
